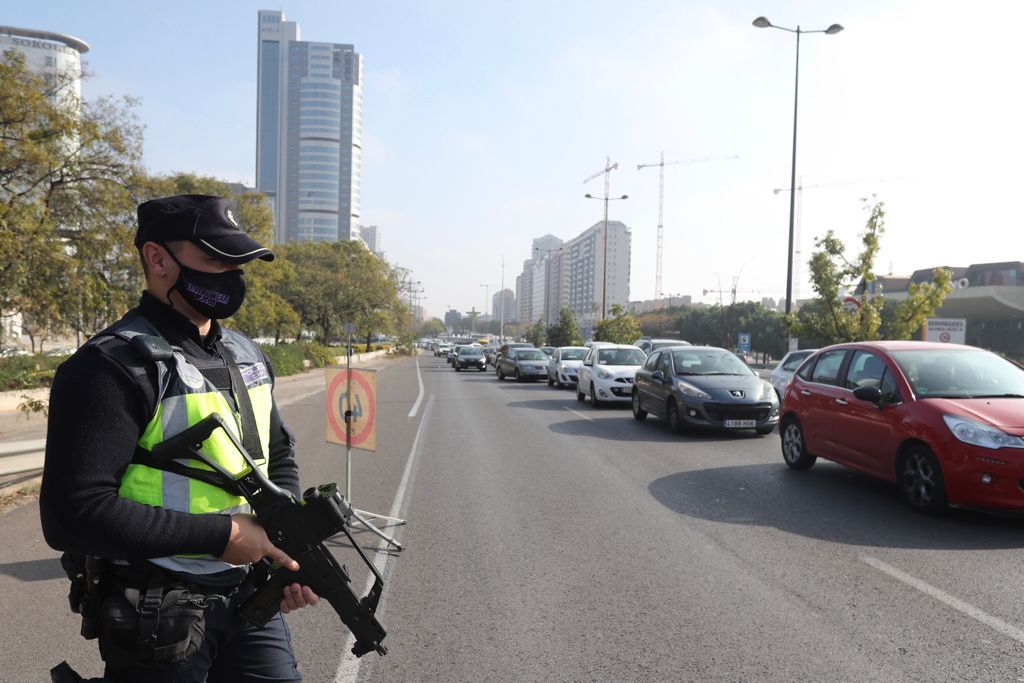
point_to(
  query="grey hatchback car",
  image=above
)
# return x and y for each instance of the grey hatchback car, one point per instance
(523, 364)
(703, 387)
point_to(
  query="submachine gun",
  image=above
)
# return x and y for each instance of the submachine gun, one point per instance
(297, 527)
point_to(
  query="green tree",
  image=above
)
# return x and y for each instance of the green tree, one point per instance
(432, 328)
(621, 328)
(830, 320)
(66, 211)
(537, 334)
(566, 332)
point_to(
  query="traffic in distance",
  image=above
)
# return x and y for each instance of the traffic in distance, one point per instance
(943, 422)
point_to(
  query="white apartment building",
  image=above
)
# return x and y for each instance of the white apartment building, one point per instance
(588, 288)
(572, 274)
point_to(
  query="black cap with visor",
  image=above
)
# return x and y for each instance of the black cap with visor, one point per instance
(204, 220)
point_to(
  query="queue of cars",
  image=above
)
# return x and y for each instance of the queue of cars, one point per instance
(943, 422)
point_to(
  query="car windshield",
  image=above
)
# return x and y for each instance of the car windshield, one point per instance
(794, 360)
(471, 351)
(960, 373)
(708, 362)
(621, 357)
(530, 354)
(573, 354)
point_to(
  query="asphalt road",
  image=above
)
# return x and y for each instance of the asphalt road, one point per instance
(548, 540)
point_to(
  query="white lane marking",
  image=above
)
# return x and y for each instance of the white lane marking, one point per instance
(419, 376)
(959, 605)
(300, 397)
(585, 417)
(348, 666)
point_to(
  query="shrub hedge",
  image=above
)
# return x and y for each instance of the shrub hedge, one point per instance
(27, 372)
(36, 372)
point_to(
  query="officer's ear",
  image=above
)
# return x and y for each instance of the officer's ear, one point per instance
(156, 261)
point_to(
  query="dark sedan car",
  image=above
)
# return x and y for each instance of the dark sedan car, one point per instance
(523, 364)
(703, 387)
(470, 357)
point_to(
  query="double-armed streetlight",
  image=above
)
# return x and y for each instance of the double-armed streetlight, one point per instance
(762, 22)
(604, 269)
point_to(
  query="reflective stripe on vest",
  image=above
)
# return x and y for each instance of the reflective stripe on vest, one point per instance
(186, 397)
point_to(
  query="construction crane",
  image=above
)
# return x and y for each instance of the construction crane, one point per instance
(798, 230)
(661, 207)
(733, 290)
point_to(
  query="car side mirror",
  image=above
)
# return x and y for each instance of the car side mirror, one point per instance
(658, 376)
(869, 394)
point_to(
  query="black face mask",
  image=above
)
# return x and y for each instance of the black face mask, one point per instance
(213, 295)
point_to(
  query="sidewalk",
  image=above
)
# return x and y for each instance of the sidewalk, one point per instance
(23, 439)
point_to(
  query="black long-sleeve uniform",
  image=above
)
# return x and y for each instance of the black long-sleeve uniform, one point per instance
(97, 413)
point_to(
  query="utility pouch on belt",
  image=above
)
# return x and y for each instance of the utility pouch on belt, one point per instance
(88, 576)
(154, 625)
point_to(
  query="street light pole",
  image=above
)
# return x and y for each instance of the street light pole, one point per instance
(604, 269)
(762, 22)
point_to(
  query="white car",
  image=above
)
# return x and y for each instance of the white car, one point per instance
(787, 367)
(607, 373)
(564, 366)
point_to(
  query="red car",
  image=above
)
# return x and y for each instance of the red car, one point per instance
(945, 422)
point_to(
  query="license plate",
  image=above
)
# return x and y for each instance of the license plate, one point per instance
(740, 424)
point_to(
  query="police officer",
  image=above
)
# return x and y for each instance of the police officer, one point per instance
(116, 398)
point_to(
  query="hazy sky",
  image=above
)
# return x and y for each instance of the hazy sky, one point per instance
(482, 119)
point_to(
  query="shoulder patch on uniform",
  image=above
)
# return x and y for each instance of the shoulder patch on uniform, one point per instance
(254, 373)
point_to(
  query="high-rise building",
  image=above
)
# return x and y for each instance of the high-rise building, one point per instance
(54, 55)
(572, 274)
(309, 132)
(58, 59)
(503, 305)
(371, 237)
(588, 286)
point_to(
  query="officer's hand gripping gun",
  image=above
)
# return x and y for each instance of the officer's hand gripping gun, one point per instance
(298, 528)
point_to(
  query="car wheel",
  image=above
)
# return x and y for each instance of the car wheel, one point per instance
(675, 422)
(501, 374)
(794, 448)
(921, 481)
(579, 394)
(639, 414)
(594, 400)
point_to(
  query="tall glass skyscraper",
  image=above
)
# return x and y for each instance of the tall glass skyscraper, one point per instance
(309, 132)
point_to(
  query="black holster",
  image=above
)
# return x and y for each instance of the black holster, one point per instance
(88, 577)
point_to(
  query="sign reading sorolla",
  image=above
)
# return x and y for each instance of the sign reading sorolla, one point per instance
(362, 404)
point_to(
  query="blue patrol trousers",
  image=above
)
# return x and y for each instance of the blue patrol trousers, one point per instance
(232, 652)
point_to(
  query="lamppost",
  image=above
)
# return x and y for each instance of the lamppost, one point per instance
(604, 269)
(762, 22)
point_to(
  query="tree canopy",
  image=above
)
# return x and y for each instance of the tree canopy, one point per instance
(846, 307)
(621, 328)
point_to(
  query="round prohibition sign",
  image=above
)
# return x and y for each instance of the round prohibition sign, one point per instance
(944, 337)
(362, 402)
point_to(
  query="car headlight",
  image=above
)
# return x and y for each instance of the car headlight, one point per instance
(767, 392)
(690, 390)
(978, 434)
(604, 374)
(563, 367)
